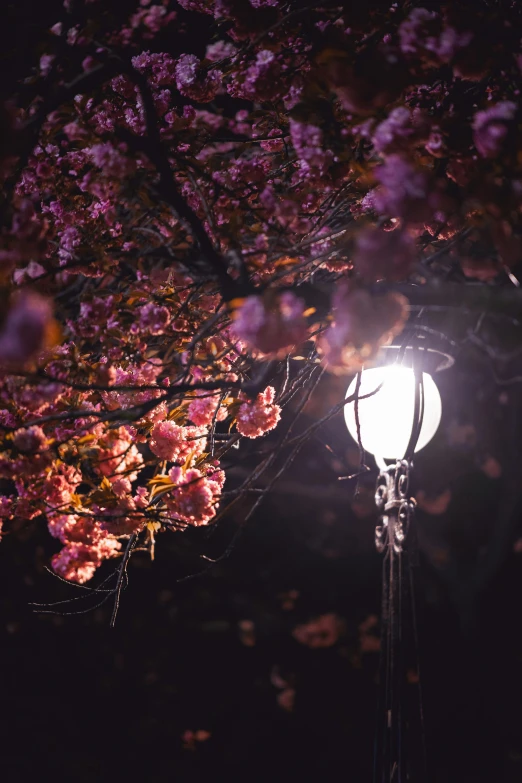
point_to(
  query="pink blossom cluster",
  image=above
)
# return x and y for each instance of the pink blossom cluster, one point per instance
(259, 416)
(78, 562)
(406, 191)
(153, 318)
(424, 33)
(118, 456)
(30, 439)
(206, 408)
(195, 81)
(112, 161)
(195, 496)
(362, 324)
(171, 442)
(262, 78)
(401, 130)
(309, 144)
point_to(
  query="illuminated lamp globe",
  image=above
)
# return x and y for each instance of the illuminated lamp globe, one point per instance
(386, 417)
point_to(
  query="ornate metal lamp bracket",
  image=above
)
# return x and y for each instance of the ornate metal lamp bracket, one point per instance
(395, 507)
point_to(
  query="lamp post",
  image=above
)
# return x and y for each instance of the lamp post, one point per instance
(396, 412)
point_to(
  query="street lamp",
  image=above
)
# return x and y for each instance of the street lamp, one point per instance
(395, 411)
(386, 417)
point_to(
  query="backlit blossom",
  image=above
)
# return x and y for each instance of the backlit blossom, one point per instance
(153, 318)
(171, 442)
(362, 324)
(118, 455)
(202, 409)
(259, 416)
(30, 439)
(195, 495)
(78, 562)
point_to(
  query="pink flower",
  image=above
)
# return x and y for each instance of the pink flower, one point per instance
(111, 160)
(362, 324)
(491, 127)
(74, 528)
(153, 318)
(118, 455)
(30, 439)
(262, 80)
(78, 562)
(202, 409)
(219, 50)
(121, 487)
(260, 416)
(308, 143)
(194, 498)
(160, 66)
(203, 6)
(272, 323)
(196, 82)
(174, 443)
(425, 34)
(408, 192)
(404, 190)
(60, 485)
(400, 130)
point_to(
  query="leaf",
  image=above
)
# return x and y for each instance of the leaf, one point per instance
(159, 480)
(186, 465)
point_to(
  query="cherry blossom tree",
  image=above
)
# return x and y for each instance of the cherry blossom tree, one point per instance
(195, 227)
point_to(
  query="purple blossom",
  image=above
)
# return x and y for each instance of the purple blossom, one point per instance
(262, 80)
(111, 161)
(491, 126)
(362, 324)
(30, 439)
(160, 66)
(308, 143)
(219, 50)
(400, 130)
(153, 318)
(46, 63)
(405, 191)
(153, 18)
(196, 82)
(425, 35)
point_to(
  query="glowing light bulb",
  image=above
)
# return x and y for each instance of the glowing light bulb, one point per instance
(386, 417)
